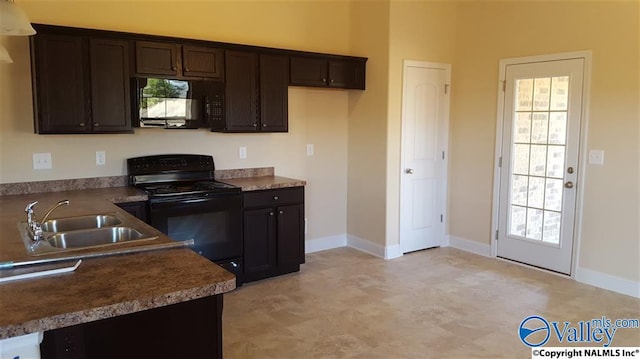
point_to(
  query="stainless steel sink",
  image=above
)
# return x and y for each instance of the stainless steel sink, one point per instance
(78, 223)
(94, 237)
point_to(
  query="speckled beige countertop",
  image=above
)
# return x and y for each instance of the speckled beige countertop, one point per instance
(107, 286)
(101, 287)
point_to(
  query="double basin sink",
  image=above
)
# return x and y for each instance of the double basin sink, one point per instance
(81, 232)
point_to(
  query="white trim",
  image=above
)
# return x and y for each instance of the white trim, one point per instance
(366, 246)
(607, 281)
(443, 143)
(325, 243)
(582, 158)
(468, 245)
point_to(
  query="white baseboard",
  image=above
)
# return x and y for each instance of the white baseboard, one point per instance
(324, 243)
(470, 246)
(378, 250)
(607, 281)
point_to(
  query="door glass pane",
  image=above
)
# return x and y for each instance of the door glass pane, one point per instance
(538, 156)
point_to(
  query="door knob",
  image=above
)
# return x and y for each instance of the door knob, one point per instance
(569, 184)
(408, 171)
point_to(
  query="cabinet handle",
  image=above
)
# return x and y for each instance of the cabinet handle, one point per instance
(271, 213)
(96, 125)
(81, 124)
(275, 198)
(281, 212)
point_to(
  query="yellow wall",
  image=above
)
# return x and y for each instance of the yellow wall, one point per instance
(315, 116)
(489, 31)
(419, 31)
(369, 34)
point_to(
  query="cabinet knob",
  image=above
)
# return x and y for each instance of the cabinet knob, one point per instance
(271, 213)
(275, 198)
(81, 124)
(264, 125)
(331, 81)
(96, 125)
(255, 125)
(281, 212)
(324, 80)
(187, 69)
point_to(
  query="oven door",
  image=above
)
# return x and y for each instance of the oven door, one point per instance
(213, 222)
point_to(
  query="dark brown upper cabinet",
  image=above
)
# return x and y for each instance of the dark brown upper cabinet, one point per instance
(322, 71)
(175, 60)
(256, 98)
(81, 84)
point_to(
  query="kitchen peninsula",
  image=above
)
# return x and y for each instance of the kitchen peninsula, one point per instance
(110, 303)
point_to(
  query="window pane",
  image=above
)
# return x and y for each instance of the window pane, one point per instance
(558, 128)
(541, 94)
(522, 132)
(538, 162)
(521, 159)
(518, 221)
(534, 223)
(519, 189)
(553, 194)
(536, 192)
(559, 93)
(551, 227)
(540, 127)
(524, 95)
(555, 161)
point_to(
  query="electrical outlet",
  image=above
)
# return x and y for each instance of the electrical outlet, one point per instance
(242, 152)
(101, 158)
(42, 161)
(310, 149)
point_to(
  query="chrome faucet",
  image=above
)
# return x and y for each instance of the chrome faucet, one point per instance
(35, 227)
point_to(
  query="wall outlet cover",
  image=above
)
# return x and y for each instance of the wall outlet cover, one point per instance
(101, 158)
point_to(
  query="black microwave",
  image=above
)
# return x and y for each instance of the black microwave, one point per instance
(173, 103)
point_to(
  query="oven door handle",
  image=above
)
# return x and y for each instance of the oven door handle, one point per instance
(166, 202)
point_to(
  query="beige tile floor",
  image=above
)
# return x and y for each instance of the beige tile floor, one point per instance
(438, 303)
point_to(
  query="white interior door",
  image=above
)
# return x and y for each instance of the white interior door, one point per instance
(540, 151)
(425, 111)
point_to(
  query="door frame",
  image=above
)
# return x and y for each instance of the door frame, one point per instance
(582, 146)
(443, 145)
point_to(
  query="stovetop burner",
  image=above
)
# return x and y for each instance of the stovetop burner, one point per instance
(167, 176)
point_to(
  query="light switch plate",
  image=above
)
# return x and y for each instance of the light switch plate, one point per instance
(596, 157)
(242, 152)
(42, 161)
(310, 149)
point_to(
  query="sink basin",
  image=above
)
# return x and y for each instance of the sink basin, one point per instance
(94, 237)
(83, 222)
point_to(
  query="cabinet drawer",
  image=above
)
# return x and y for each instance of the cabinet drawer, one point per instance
(273, 197)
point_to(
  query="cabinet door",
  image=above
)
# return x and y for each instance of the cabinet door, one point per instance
(274, 82)
(156, 58)
(110, 98)
(200, 61)
(60, 96)
(346, 74)
(260, 247)
(241, 97)
(307, 71)
(290, 234)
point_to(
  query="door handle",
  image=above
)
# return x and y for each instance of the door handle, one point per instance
(408, 171)
(568, 184)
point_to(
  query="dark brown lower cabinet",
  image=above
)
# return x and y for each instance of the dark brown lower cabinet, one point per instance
(191, 329)
(273, 232)
(137, 209)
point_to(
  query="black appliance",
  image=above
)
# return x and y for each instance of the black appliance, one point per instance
(186, 202)
(172, 103)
